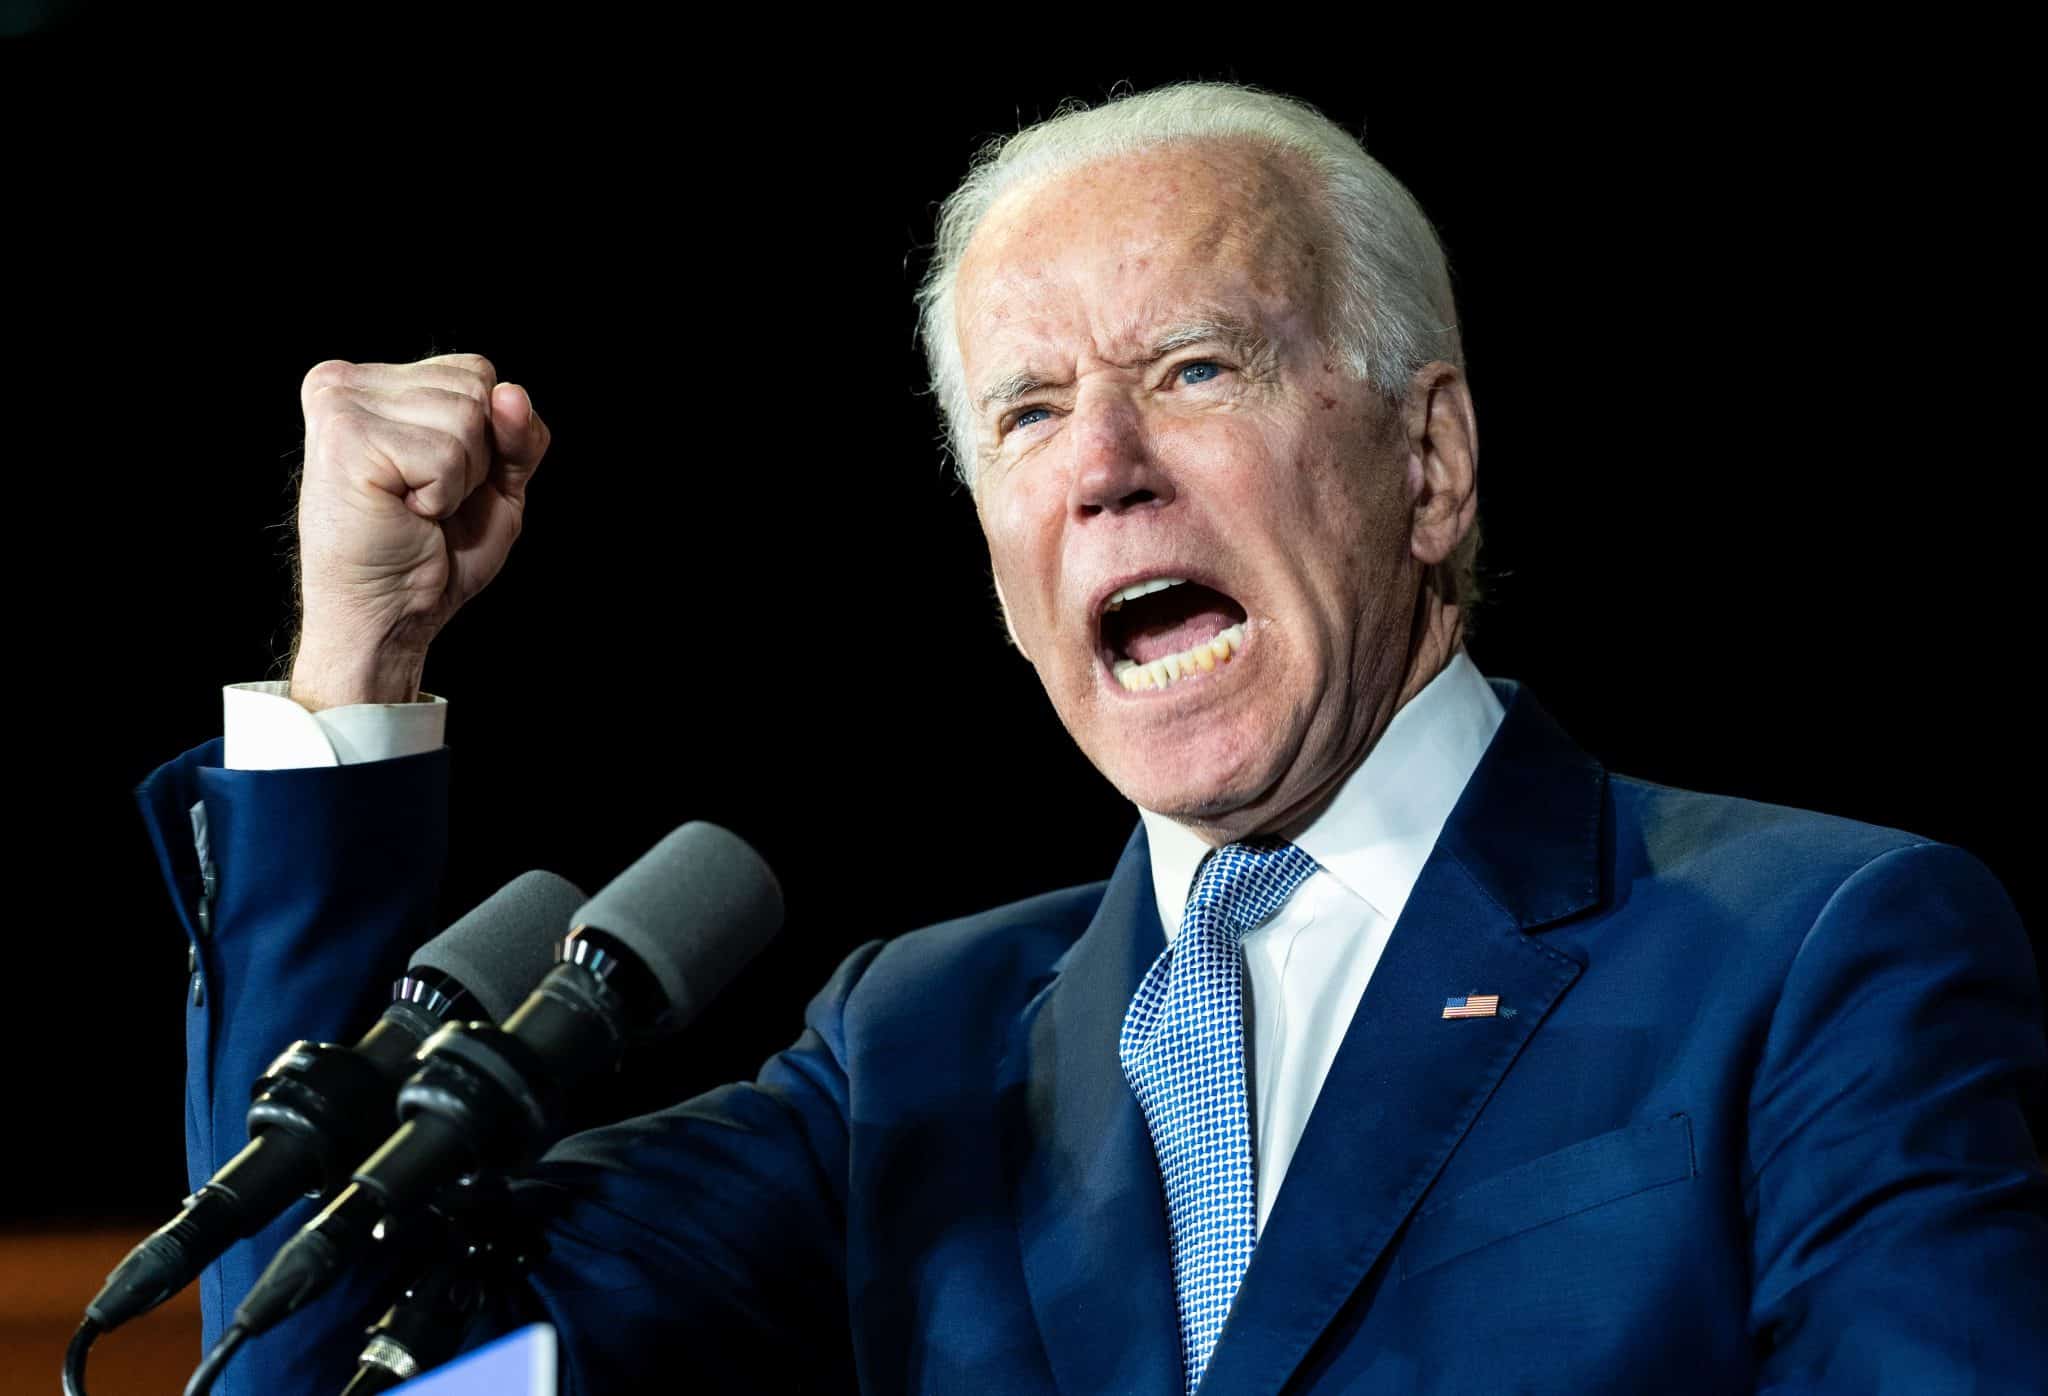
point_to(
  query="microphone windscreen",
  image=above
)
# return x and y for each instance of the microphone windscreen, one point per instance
(506, 945)
(694, 909)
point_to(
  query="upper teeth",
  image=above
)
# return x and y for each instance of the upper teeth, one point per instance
(1138, 589)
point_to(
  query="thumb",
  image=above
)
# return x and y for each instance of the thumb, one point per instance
(520, 436)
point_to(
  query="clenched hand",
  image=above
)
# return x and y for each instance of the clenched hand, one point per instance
(414, 490)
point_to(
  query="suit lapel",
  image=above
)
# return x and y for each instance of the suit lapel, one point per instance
(1091, 1214)
(1520, 850)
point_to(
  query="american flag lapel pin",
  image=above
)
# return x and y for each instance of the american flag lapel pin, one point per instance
(1473, 1006)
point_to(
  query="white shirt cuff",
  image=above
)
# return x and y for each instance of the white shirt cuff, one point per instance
(267, 731)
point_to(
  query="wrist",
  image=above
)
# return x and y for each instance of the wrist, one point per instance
(331, 673)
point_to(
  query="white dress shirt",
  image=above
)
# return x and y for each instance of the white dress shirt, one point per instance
(1307, 968)
(265, 730)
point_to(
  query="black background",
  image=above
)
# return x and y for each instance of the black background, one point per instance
(1756, 489)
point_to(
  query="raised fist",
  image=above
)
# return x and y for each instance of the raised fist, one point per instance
(414, 490)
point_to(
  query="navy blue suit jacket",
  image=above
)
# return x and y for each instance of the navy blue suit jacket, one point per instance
(1750, 1117)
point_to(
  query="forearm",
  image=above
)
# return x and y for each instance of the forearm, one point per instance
(705, 1242)
(321, 881)
(1900, 1216)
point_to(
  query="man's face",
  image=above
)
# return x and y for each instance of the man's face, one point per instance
(1155, 400)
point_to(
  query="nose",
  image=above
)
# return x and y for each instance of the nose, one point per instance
(1115, 469)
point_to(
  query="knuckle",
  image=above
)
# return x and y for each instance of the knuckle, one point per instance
(476, 365)
(451, 458)
(334, 412)
(331, 420)
(328, 373)
(473, 418)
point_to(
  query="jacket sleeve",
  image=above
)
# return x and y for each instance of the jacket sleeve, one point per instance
(310, 890)
(703, 1246)
(1898, 1207)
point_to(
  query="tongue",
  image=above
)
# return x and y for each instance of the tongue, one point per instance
(1161, 626)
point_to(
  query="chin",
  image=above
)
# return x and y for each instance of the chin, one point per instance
(1192, 785)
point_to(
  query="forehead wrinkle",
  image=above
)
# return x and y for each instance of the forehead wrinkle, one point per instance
(1259, 230)
(1025, 347)
(1152, 337)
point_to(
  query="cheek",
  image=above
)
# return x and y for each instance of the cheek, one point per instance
(1341, 517)
(1301, 492)
(1022, 532)
(1227, 448)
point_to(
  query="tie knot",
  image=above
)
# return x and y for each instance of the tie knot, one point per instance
(1241, 885)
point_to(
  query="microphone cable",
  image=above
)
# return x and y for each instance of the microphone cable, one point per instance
(216, 1361)
(74, 1356)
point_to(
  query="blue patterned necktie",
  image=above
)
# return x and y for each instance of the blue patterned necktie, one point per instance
(1183, 1053)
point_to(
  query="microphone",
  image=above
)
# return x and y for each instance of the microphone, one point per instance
(320, 1106)
(642, 959)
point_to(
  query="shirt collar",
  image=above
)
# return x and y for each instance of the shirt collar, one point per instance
(1375, 835)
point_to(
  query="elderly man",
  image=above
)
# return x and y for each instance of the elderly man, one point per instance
(1405, 1048)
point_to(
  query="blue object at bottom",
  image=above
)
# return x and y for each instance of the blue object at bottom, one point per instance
(519, 1364)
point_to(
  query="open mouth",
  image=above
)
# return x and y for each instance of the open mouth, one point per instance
(1164, 630)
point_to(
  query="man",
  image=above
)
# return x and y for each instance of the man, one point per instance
(1405, 1049)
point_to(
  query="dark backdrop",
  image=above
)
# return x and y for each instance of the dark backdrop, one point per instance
(1757, 521)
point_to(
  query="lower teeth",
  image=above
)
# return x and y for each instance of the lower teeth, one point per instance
(1199, 660)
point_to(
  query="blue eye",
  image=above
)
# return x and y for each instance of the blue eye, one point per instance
(1199, 372)
(1028, 416)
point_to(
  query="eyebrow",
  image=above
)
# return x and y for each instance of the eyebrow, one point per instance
(1005, 391)
(1234, 332)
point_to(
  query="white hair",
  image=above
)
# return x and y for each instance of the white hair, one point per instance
(1388, 308)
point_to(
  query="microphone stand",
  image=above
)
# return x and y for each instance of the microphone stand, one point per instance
(480, 1256)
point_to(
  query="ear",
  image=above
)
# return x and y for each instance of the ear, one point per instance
(1443, 461)
(1003, 604)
